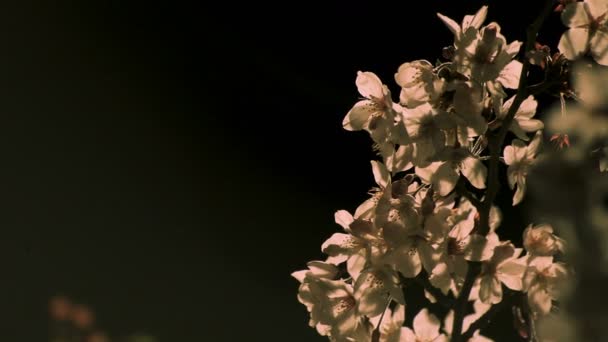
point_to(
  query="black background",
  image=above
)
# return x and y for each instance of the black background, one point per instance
(171, 163)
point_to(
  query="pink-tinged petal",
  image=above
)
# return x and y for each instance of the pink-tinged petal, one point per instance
(381, 174)
(518, 131)
(407, 335)
(597, 8)
(426, 325)
(407, 261)
(403, 158)
(428, 256)
(362, 228)
(445, 179)
(372, 302)
(344, 219)
(520, 192)
(366, 209)
(513, 48)
(490, 290)
(574, 42)
(475, 171)
(356, 263)
(451, 24)
(299, 275)
(539, 300)
(369, 85)
(477, 248)
(441, 338)
(509, 155)
(520, 148)
(322, 269)
(511, 275)
(475, 20)
(531, 125)
(356, 119)
(527, 109)
(426, 173)
(510, 74)
(575, 14)
(340, 244)
(599, 47)
(440, 278)
(532, 149)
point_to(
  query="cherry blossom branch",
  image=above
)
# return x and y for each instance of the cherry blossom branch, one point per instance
(495, 145)
(486, 318)
(423, 280)
(464, 192)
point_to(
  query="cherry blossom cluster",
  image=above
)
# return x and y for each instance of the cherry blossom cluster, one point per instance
(428, 218)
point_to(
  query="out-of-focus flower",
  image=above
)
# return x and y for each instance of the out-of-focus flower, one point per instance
(540, 240)
(542, 281)
(60, 308)
(588, 30)
(82, 316)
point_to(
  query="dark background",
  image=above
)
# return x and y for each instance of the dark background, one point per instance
(171, 163)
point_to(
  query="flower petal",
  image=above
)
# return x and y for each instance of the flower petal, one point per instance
(451, 24)
(369, 85)
(356, 119)
(599, 47)
(381, 174)
(344, 219)
(475, 171)
(426, 325)
(573, 43)
(575, 14)
(597, 8)
(477, 248)
(510, 74)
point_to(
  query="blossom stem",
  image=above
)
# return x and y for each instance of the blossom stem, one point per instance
(495, 145)
(423, 280)
(486, 318)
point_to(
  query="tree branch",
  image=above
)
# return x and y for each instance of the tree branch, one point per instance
(495, 145)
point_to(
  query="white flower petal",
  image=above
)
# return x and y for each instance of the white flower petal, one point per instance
(426, 325)
(597, 8)
(451, 24)
(510, 74)
(381, 174)
(344, 219)
(445, 179)
(573, 43)
(475, 171)
(575, 14)
(356, 119)
(356, 263)
(369, 85)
